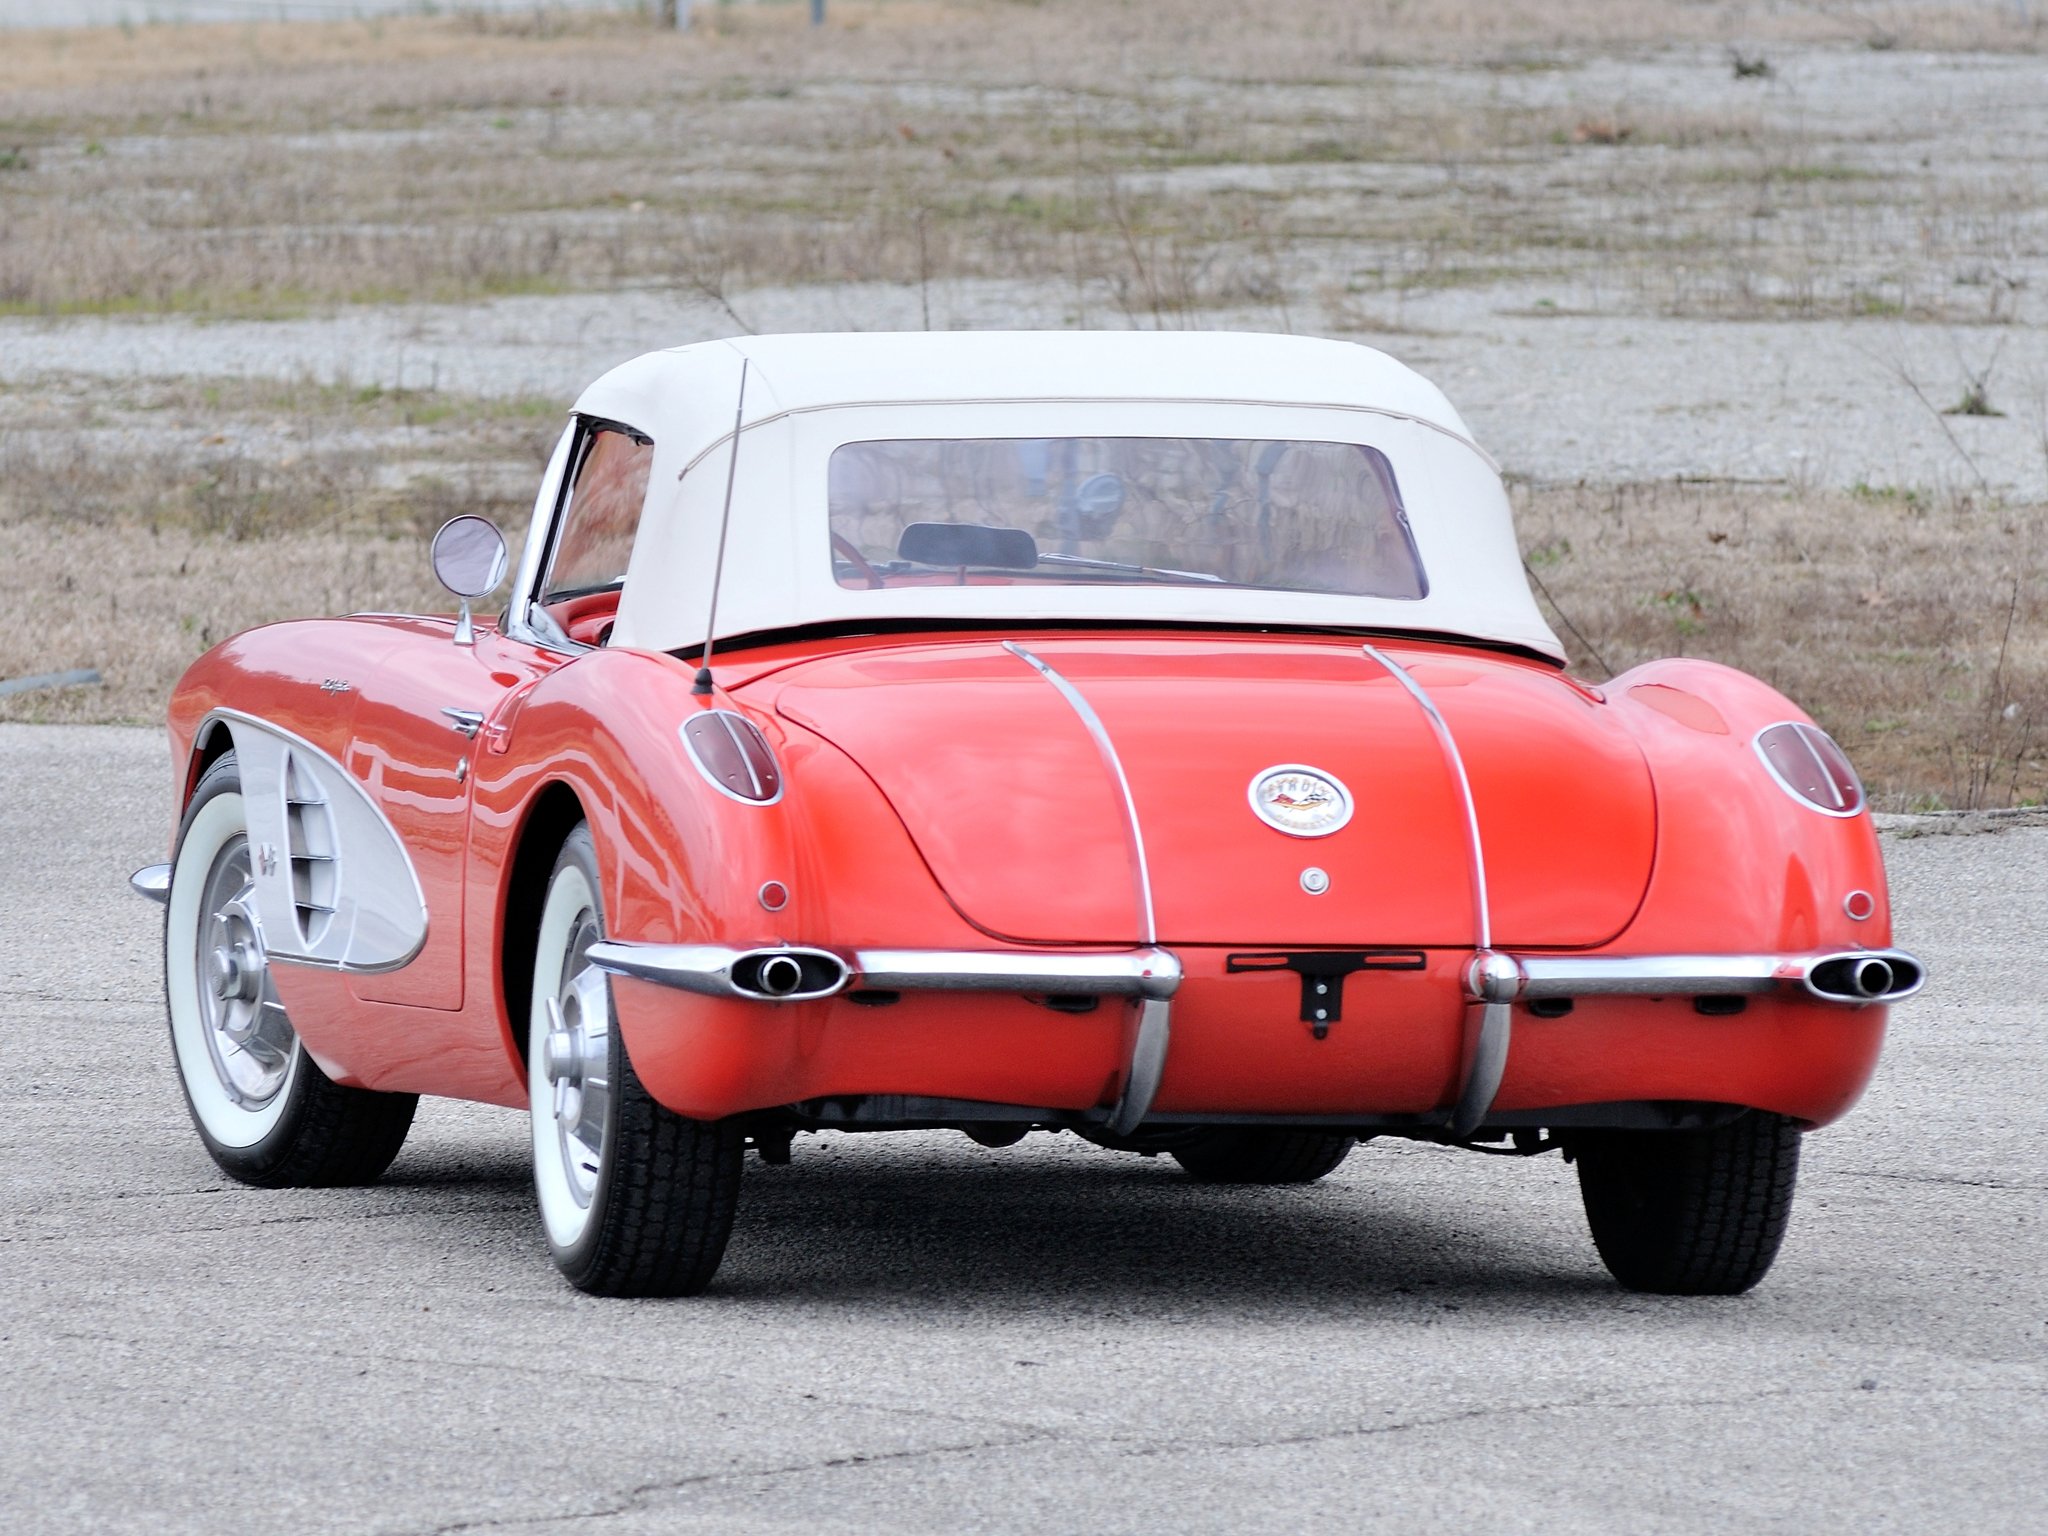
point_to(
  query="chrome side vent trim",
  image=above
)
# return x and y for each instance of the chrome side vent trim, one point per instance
(311, 847)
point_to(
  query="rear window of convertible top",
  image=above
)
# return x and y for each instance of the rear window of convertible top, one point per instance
(1273, 514)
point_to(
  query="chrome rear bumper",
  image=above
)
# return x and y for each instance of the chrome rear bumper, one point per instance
(716, 970)
(1494, 982)
(1848, 976)
(1149, 975)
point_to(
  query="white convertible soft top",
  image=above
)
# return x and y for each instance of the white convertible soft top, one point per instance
(807, 395)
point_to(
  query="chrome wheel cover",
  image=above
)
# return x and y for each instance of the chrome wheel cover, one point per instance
(576, 1061)
(248, 1035)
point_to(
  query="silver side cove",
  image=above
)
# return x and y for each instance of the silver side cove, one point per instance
(334, 885)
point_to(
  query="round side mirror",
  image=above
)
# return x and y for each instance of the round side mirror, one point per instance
(469, 556)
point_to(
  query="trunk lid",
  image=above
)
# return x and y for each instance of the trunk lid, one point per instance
(1006, 792)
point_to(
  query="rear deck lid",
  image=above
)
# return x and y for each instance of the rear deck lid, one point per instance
(1020, 815)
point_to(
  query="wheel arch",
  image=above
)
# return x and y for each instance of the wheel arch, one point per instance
(214, 742)
(555, 812)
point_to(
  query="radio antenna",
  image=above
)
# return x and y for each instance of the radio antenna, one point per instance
(703, 682)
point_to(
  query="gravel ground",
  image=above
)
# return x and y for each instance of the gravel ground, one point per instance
(1621, 364)
(106, 13)
(916, 1334)
(1564, 397)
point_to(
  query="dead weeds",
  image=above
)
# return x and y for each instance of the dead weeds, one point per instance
(1911, 626)
(265, 170)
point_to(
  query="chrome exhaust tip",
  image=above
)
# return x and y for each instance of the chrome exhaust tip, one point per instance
(1865, 977)
(780, 975)
(788, 975)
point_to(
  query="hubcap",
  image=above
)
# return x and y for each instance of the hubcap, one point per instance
(576, 1058)
(248, 1034)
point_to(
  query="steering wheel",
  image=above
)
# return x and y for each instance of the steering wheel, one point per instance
(843, 546)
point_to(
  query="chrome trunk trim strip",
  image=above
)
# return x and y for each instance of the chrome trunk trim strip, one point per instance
(1489, 1027)
(1494, 1028)
(1148, 1046)
(1482, 909)
(1148, 926)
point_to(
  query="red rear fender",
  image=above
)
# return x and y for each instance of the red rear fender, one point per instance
(1740, 863)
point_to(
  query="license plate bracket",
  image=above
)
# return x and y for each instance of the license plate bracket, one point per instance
(1322, 973)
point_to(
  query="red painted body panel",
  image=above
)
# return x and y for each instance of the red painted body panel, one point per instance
(1012, 806)
(1240, 1047)
(944, 756)
(408, 754)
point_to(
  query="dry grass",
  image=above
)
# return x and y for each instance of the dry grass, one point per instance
(266, 169)
(1911, 628)
(135, 537)
(1307, 162)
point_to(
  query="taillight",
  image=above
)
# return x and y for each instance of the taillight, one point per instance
(731, 752)
(1810, 767)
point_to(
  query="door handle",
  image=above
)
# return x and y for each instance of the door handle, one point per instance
(467, 721)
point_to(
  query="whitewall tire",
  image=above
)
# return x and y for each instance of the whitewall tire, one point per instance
(264, 1109)
(635, 1199)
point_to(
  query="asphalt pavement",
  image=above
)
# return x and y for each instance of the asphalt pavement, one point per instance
(919, 1334)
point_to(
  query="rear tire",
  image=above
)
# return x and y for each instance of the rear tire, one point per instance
(266, 1112)
(636, 1200)
(1689, 1213)
(1259, 1156)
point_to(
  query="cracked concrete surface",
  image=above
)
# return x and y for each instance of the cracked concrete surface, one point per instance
(917, 1334)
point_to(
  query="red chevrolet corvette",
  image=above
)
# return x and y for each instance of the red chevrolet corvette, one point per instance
(1149, 737)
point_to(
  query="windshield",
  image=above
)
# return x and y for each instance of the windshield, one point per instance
(1187, 511)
